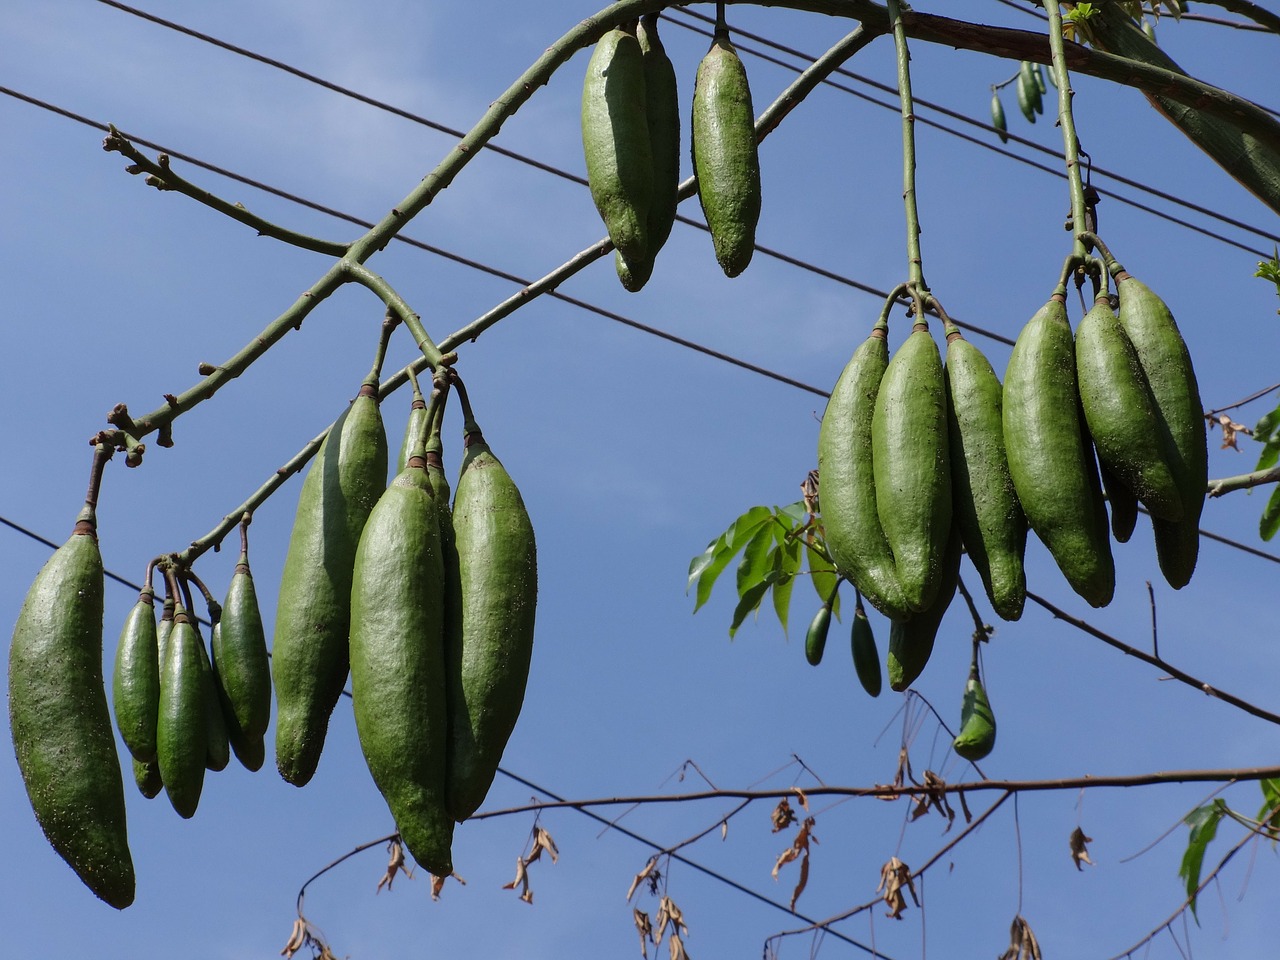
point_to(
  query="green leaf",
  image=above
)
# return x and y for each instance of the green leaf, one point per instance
(1203, 822)
(748, 604)
(1270, 521)
(789, 553)
(1266, 426)
(756, 559)
(707, 567)
(825, 579)
(1269, 814)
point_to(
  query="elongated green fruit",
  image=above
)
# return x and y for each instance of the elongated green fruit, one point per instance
(182, 734)
(992, 524)
(847, 493)
(1167, 364)
(977, 734)
(309, 651)
(1050, 459)
(815, 638)
(912, 467)
(59, 719)
(1120, 411)
(415, 428)
(866, 660)
(997, 117)
(615, 143)
(1027, 75)
(147, 778)
(241, 667)
(489, 656)
(1123, 504)
(163, 629)
(217, 743)
(398, 663)
(135, 684)
(1026, 94)
(724, 154)
(911, 643)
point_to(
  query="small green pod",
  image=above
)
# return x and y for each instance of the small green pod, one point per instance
(398, 687)
(847, 493)
(147, 778)
(60, 722)
(866, 659)
(1027, 73)
(997, 117)
(1123, 505)
(977, 734)
(725, 159)
(135, 684)
(250, 751)
(182, 733)
(1050, 458)
(217, 743)
(992, 524)
(1026, 96)
(163, 629)
(911, 643)
(1120, 411)
(815, 638)
(241, 667)
(911, 465)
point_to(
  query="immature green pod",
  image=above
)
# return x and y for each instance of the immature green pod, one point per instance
(977, 734)
(1027, 95)
(725, 160)
(182, 733)
(1050, 458)
(992, 524)
(489, 651)
(398, 685)
(1120, 411)
(217, 743)
(163, 629)
(1123, 505)
(997, 117)
(911, 642)
(1167, 364)
(309, 652)
(147, 778)
(866, 660)
(815, 638)
(135, 684)
(615, 143)
(59, 719)
(1027, 76)
(847, 493)
(241, 667)
(911, 464)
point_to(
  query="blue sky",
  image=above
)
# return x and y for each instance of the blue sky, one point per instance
(631, 453)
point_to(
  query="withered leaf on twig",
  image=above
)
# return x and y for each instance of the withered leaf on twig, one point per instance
(677, 948)
(782, 816)
(396, 864)
(1022, 942)
(437, 884)
(650, 868)
(542, 841)
(895, 876)
(1229, 430)
(1079, 852)
(521, 880)
(644, 928)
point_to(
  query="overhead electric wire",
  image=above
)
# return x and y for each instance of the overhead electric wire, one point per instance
(574, 178)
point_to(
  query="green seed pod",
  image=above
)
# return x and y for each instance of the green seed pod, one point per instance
(135, 685)
(997, 117)
(911, 643)
(1167, 363)
(911, 464)
(309, 652)
(398, 686)
(866, 660)
(615, 143)
(662, 102)
(815, 639)
(1050, 458)
(992, 525)
(490, 651)
(1027, 75)
(1037, 72)
(59, 719)
(1123, 503)
(163, 629)
(217, 743)
(147, 777)
(182, 745)
(977, 734)
(241, 667)
(724, 154)
(1120, 412)
(847, 493)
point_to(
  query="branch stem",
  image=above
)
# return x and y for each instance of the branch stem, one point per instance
(1066, 120)
(915, 263)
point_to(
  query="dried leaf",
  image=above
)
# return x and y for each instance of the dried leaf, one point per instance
(801, 883)
(1229, 430)
(297, 938)
(809, 491)
(804, 801)
(921, 807)
(677, 948)
(895, 876)
(521, 880)
(437, 884)
(782, 816)
(799, 845)
(542, 841)
(396, 864)
(641, 877)
(1022, 942)
(724, 829)
(1080, 853)
(644, 928)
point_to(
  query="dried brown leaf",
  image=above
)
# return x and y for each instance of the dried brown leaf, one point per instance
(644, 928)
(799, 845)
(782, 816)
(521, 880)
(437, 884)
(895, 876)
(297, 938)
(396, 864)
(801, 883)
(920, 808)
(542, 841)
(724, 829)
(804, 801)
(641, 877)
(1079, 852)
(676, 946)
(1022, 942)
(1229, 431)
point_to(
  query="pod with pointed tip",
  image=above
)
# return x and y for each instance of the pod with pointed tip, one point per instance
(977, 736)
(217, 743)
(135, 684)
(182, 735)
(1120, 411)
(866, 660)
(398, 663)
(725, 159)
(815, 638)
(847, 493)
(911, 464)
(309, 650)
(1123, 505)
(992, 524)
(911, 642)
(59, 720)
(1050, 458)
(147, 778)
(240, 664)
(997, 117)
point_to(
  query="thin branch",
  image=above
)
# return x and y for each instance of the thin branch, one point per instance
(1258, 14)
(302, 892)
(1256, 395)
(1244, 481)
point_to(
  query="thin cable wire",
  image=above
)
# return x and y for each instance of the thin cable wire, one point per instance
(573, 178)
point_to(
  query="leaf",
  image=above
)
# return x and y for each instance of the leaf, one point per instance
(895, 876)
(756, 560)
(789, 555)
(1270, 454)
(824, 578)
(1203, 822)
(641, 877)
(644, 928)
(1266, 425)
(1229, 431)
(1270, 521)
(395, 865)
(749, 603)
(1269, 814)
(782, 816)
(708, 566)
(795, 512)
(1079, 852)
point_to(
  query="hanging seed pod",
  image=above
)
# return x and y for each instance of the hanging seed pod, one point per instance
(815, 638)
(1026, 95)
(309, 651)
(911, 464)
(135, 685)
(866, 660)
(163, 629)
(851, 522)
(182, 745)
(240, 665)
(997, 117)
(1123, 504)
(147, 778)
(911, 643)
(1027, 73)
(725, 160)
(217, 743)
(1050, 458)
(59, 719)
(977, 736)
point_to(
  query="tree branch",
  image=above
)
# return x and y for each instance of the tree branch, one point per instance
(1243, 482)
(1252, 11)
